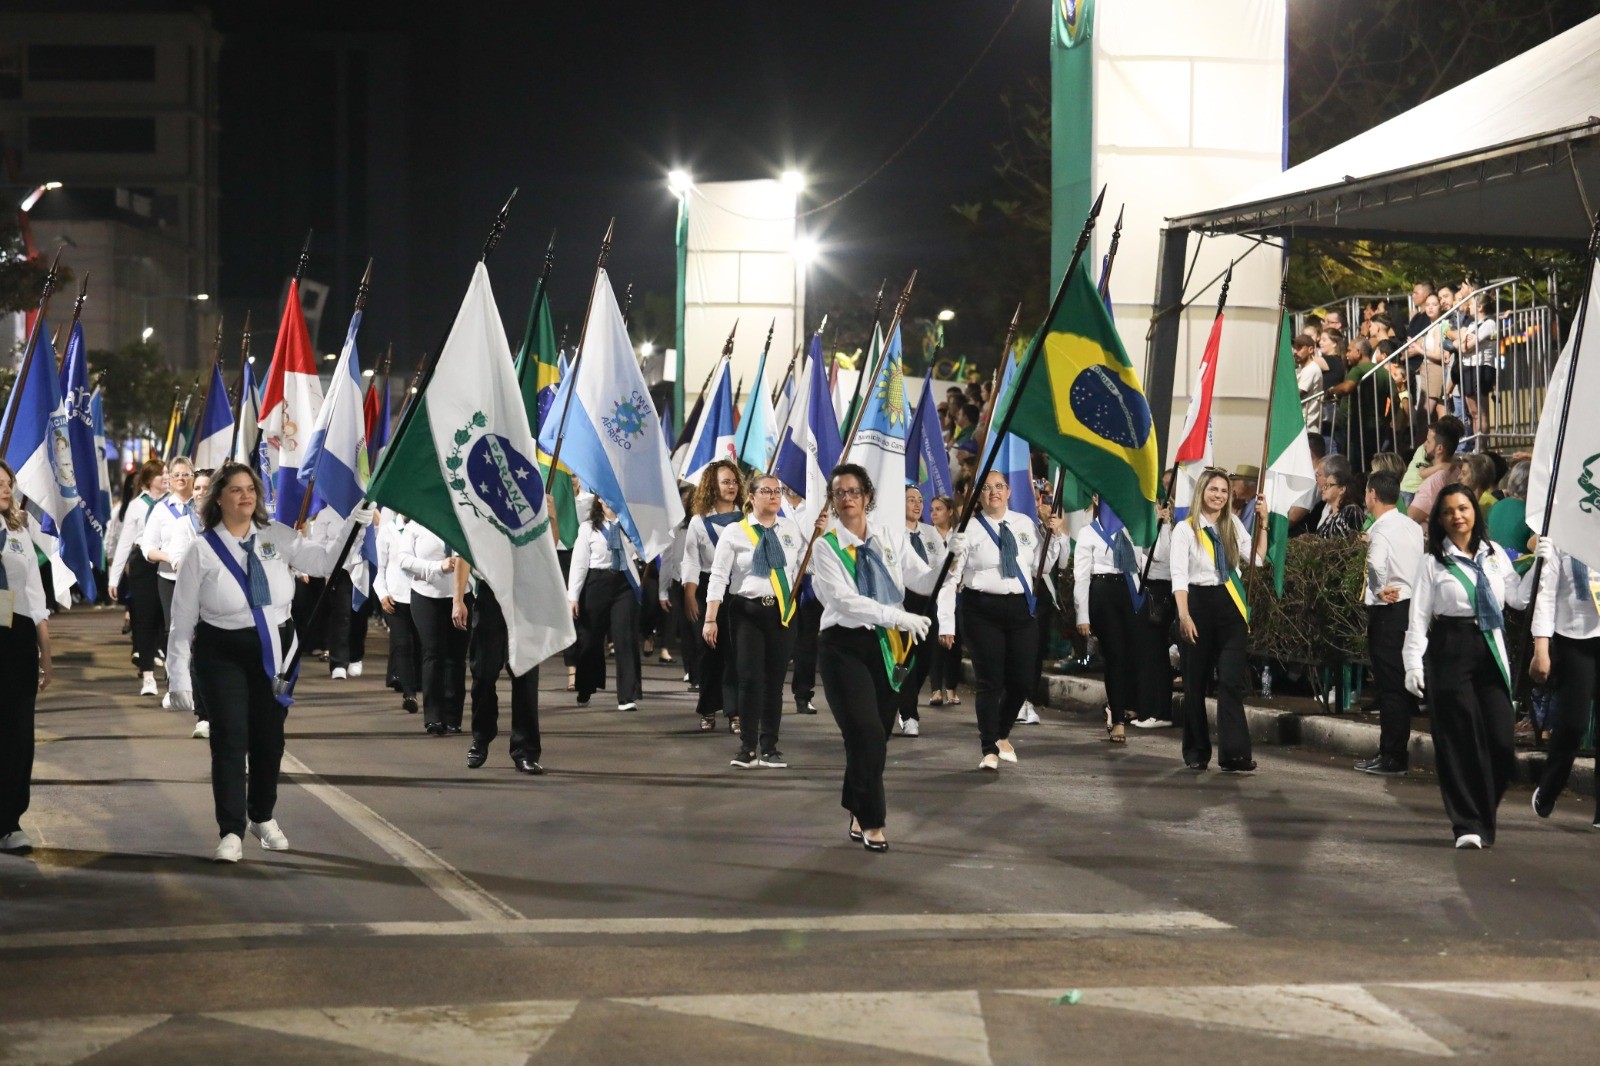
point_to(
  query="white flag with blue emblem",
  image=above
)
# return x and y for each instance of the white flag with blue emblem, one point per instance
(613, 435)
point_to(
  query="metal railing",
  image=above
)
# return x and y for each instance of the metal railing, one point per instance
(1398, 307)
(1487, 361)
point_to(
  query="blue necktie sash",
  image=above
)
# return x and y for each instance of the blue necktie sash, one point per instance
(257, 594)
(1006, 542)
(768, 554)
(873, 579)
(1126, 561)
(917, 545)
(5, 582)
(620, 561)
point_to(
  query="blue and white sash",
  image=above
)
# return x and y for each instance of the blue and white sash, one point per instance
(273, 655)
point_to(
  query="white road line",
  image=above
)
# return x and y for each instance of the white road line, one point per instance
(1166, 922)
(454, 887)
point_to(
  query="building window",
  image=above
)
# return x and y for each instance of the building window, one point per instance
(98, 134)
(91, 62)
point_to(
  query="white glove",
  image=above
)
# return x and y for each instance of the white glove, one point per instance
(1546, 550)
(1414, 683)
(180, 701)
(362, 515)
(915, 624)
(958, 544)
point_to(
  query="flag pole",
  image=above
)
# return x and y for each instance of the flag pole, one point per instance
(583, 335)
(172, 421)
(50, 279)
(1111, 253)
(761, 368)
(883, 353)
(363, 287)
(1023, 374)
(1266, 437)
(244, 362)
(772, 462)
(877, 313)
(216, 360)
(794, 360)
(994, 401)
(844, 452)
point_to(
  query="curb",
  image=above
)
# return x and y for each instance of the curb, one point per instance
(1317, 732)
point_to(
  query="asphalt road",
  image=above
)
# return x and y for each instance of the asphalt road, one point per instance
(645, 902)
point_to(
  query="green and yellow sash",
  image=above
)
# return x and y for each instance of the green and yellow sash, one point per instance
(1495, 638)
(895, 645)
(1235, 585)
(778, 576)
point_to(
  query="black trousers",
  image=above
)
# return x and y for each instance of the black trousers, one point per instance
(403, 651)
(490, 650)
(146, 618)
(1576, 663)
(19, 691)
(609, 609)
(246, 726)
(1154, 632)
(164, 591)
(1116, 626)
(718, 678)
(764, 644)
(1386, 636)
(806, 623)
(946, 671)
(444, 661)
(347, 627)
(923, 657)
(570, 656)
(1220, 647)
(313, 639)
(1004, 639)
(692, 646)
(863, 704)
(1474, 746)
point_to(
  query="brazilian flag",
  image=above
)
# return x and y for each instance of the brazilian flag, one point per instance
(1084, 406)
(538, 374)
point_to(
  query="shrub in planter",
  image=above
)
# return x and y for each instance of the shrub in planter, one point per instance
(1320, 618)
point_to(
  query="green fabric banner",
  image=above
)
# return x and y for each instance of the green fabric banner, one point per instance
(1071, 126)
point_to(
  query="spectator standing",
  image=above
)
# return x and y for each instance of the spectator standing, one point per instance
(1394, 551)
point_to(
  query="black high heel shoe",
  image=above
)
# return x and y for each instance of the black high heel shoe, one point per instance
(874, 845)
(855, 834)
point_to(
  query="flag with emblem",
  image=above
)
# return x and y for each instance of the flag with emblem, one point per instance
(880, 440)
(288, 411)
(613, 435)
(1078, 399)
(1565, 480)
(463, 463)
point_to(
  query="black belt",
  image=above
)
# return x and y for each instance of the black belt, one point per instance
(1105, 577)
(1452, 622)
(764, 601)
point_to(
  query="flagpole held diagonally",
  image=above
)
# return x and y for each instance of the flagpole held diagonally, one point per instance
(1023, 374)
(583, 334)
(50, 279)
(216, 360)
(362, 289)
(244, 361)
(861, 373)
(772, 463)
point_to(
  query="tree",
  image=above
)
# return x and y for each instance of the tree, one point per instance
(21, 278)
(138, 390)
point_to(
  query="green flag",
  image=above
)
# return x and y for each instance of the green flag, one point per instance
(1291, 477)
(538, 374)
(1079, 400)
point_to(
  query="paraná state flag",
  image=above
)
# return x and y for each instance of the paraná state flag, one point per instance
(1574, 483)
(463, 464)
(1079, 399)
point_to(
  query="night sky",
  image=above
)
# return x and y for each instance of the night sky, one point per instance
(585, 107)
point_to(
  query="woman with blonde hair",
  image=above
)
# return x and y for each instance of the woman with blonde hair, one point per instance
(24, 660)
(1209, 551)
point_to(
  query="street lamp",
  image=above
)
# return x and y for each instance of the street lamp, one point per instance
(202, 297)
(33, 197)
(946, 315)
(646, 350)
(679, 182)
(146, 333)
(794, 181)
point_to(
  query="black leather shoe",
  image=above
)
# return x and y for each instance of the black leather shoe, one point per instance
(1238, 766)
(476, 756)
(875, 845)
(435, 729)
(410, 704)
(855, 834)
(1194, 765)
(454, 730)
(526, 765)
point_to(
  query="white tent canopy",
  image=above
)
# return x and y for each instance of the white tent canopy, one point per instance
(1498, 159)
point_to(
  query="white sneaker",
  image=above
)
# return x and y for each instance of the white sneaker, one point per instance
(1469, 840)
(1151, 723)
(269, 834)
(15, 840)
(989, 762)
(355, 669)
(1028, 715)
(166, 702)
(147, 685)
(161, 659)
(1007, 752)
(229, 849)
(202, 730)
(911, 728)
(338, 674)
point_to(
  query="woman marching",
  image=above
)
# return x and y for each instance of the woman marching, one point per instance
(754, 575)
(859, 574)
(167, 531)
(393, 589)
(603, 588)
(1209, 551)
(945, 674)
(229, 615)
(132, 571)
(1566, 630)
(1455, 651)
(24, 660)
(928, 544)
(994, 571)
(718, 503)
(442, 647)
(1105, 575)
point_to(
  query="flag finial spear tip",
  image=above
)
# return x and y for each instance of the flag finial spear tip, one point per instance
(497, 228)
(305, 256)
(1120, 212)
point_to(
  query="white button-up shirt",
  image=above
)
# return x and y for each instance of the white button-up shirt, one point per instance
(22, 574)
(1192, 565)
(390, 580)
(699, 549)
(590, 552)
(422, 555)
(1092, 555)
(170, 528)
(979, 568)
(1437, 593)
(207, 592)
(845, 607)
(133, 523)
(934, 544)
(1394, 551)
(730, 566)
(1561, 607)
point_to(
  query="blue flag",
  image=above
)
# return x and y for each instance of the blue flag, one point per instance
(87, 458)
(1012, 457)
(713, 434)
(927, 463)
(755, 428)
(809, 445)
(102, 501)
(215, 432)
(336, 457)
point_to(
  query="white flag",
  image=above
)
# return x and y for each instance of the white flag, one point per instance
(1575, 486)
